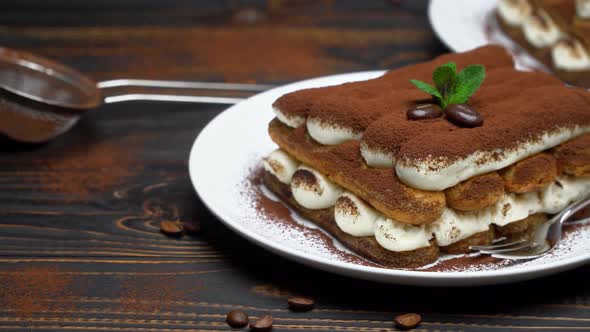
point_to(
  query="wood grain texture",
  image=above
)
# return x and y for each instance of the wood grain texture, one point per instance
(93, 222)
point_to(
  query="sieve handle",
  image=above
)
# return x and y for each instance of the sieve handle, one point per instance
(154, 85)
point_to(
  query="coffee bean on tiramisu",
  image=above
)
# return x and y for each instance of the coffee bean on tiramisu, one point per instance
(191, 227)
(263, 323)
(424, 111)
(407, 321)
(463, 116)
(237, 319)
(171, 228)
(299, 303)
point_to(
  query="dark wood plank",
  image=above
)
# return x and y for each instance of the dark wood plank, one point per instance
(239, 41)
(80, 247)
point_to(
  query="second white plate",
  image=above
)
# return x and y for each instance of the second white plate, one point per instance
(466, 24)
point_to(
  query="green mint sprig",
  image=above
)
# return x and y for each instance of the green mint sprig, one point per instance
(450, 87)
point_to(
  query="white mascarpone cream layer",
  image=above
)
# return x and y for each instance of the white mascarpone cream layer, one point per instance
(454, 226)
(330, 134)
(313, 190)
(563, 192)
(540, 30)
(292, 121)
(583, 8)
(281, 165)
(435, 174)
(376, 158)
(355, 217)
(395, 236)
(514, 12)
(323, 132)
(570, 55)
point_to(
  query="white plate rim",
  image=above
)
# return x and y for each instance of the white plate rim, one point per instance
(423, 278)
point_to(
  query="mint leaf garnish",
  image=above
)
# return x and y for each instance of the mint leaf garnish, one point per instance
(444, 77)
(468, 81)
(450, 87)
(426, 88)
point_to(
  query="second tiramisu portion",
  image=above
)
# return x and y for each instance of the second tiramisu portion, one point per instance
(557, 33)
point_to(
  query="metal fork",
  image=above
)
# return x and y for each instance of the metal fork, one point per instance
(543, 239)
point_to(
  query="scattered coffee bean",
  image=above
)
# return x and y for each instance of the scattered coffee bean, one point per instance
(171, 228)
(263, 323)
(463, 116)
(425, 111)
(237, 319)
(408, 321)
(191, 228)
(298, 303)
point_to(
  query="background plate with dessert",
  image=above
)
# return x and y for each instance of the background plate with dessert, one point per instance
(545, 35)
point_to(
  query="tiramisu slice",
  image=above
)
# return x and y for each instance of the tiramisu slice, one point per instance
(556, 32)
(416, 162)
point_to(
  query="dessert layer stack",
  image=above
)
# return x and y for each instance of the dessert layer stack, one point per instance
(400, 191)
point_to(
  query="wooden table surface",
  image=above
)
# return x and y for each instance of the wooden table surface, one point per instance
(80, 247)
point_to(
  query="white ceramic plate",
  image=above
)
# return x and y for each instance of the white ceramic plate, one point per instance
(466, 24)
(229, 147)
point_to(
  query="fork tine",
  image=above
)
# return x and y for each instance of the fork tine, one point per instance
(509, 250)
(498, 246)
(517, 256)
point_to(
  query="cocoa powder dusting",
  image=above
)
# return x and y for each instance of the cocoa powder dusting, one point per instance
(356, 105)
(278, 212)
(306, 179)
(152, 293)
(80, 172)
(463, 263)
(573, 157)
(276, 166)
(348, 206)
(533, 169)
(35, 289)
(524, 116)
(479, 187)
(518, 108)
